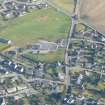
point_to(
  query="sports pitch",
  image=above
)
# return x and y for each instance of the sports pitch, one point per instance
(47, 24)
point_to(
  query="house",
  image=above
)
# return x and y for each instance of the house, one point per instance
(62, 42)
(11, 90)
(39, 73)
(91, 101)
(88, 65)
(83, 59)
(6, 62)
(21, 87)
(79, 79)
(61, 76)
(7, 14)
(20, 8)
(8, 5)
(13, 66)
(11, 52)
(5, 41)
(69, 100)
(29, 72)
(87, 34)
(20, 69)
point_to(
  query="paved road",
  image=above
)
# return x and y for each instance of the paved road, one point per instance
(7, 75)
(44, 80)
(74, 21)
(90, 70)
(25, 91)
(71, 32)
(91, 41)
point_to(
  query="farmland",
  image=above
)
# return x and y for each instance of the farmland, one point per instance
(45, 24)
(67, 5)
(93, 13)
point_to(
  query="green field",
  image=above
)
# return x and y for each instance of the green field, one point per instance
(67, 5)
(45, 24)
(49, 57)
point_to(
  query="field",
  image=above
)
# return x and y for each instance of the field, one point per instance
(93, 13)
(49, 57)
(67, 5)
(39, 24)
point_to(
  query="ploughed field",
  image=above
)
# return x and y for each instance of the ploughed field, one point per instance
(92, 12)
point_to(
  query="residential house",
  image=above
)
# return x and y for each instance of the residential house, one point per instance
(5, 41)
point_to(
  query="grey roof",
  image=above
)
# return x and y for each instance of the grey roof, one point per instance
(44, 46)
(2, 40)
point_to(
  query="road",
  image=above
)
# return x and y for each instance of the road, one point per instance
(7, 75)
(25, 91)
(74, 21)
(90, 41)
(89, 70)
(44, 80)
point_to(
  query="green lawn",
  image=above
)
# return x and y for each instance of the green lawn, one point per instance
(49, 57)
(3, 46)
(39, 24)
(67, 5)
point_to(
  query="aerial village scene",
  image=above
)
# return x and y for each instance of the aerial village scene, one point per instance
(52, 52)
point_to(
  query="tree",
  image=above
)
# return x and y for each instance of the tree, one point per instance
(11, 101)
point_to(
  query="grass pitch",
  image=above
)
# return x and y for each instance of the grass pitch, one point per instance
(45, 24)
(67, 5)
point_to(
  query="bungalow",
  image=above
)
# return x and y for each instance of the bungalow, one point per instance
(7, 14)
(62, 42)
(29, 72)
(21, 87)
(39, 73)
(79, 79)
(11, 90)
(88, 65)
(61, 76)
(5, 41)
(6, 62)
(13, 66)
(83, 59)
(20, 69)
